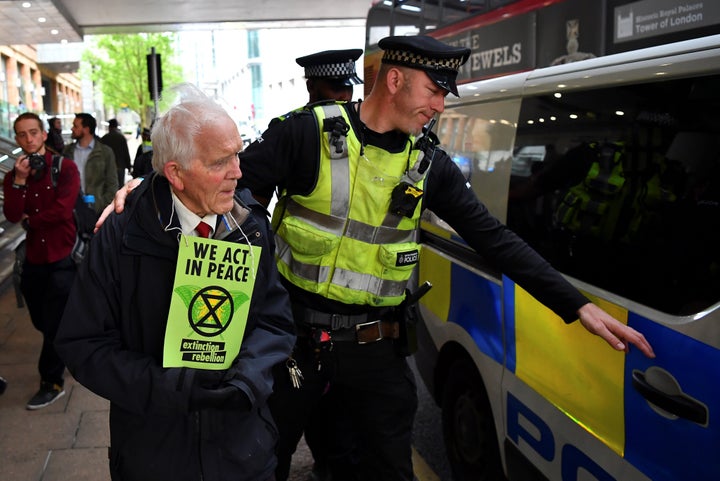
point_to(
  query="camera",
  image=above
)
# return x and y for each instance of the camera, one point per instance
(37, 162)
(404, 199)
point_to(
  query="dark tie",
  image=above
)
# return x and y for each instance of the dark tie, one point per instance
(203, 229)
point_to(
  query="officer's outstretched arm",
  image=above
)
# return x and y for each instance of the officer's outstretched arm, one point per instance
(615, 333)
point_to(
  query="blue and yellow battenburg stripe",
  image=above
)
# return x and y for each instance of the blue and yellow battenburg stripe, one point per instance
(579, 373)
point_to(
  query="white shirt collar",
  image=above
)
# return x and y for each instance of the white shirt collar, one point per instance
(188, 219)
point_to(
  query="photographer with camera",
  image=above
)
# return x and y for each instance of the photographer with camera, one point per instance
(46, 213)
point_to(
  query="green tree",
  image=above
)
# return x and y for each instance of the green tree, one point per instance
(117, 65)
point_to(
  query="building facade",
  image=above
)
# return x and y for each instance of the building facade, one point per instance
(27, 85)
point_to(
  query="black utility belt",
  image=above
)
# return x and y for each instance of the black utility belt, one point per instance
(334, 322)
(372, 326)
(365, 333)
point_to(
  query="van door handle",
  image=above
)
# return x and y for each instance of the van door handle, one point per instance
(671, 399)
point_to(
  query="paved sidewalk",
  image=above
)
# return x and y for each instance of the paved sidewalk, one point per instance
(67, 440)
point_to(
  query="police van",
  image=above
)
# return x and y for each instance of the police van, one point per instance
(610, 168)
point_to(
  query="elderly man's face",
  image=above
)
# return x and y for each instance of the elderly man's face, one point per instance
(208, 185)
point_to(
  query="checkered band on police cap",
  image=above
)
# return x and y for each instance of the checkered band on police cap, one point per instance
(422, 61)
(332, 70)
(440, 61)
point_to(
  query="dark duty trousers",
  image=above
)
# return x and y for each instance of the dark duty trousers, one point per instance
(369, 409)
(46, 288)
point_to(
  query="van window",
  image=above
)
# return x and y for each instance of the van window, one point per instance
(624, 193)
(479, 138)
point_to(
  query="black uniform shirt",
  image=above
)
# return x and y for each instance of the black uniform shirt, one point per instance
(287, 157)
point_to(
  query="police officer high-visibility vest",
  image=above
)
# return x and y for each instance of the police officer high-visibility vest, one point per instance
(340, 241)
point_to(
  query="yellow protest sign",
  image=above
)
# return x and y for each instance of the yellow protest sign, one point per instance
(214, 281)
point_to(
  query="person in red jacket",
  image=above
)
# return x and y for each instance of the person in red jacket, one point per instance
(46, 213)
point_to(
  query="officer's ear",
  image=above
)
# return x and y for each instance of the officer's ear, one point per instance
(394, 79)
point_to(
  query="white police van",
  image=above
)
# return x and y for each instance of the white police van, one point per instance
(622, 195)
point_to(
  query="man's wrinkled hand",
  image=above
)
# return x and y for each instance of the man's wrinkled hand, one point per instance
(226, 396)
(118, 203)
(209, 390)
(205, 378)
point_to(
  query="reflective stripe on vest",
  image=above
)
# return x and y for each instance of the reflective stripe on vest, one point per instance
(351, 228)
(339, 241)
(352, 280)
(339, 166)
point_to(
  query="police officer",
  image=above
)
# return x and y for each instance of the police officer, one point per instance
(346, 239)
(330, 74)
(346, 229)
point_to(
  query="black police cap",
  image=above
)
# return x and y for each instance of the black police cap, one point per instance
(439, 60)
(336, 65)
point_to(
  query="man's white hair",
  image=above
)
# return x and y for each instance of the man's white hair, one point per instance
(174, 134)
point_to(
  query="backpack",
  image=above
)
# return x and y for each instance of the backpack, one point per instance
(84, 215)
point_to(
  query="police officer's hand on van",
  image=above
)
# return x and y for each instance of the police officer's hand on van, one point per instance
(617, 334)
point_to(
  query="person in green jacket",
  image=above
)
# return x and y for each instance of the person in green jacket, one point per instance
(95, 161)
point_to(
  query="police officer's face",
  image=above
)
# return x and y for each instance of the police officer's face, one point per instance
(418, 100)
(208, 184)
(322, 89)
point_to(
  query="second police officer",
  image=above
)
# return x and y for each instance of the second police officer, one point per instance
(330, 76)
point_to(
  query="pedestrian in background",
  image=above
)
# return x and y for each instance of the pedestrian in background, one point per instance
(47, 273)
(142, 165)
(147, 334)
(95, 161)
(55, 139)
(116, 140)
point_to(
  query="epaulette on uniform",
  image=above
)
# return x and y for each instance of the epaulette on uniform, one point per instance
(305, 109)
(322, 102)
